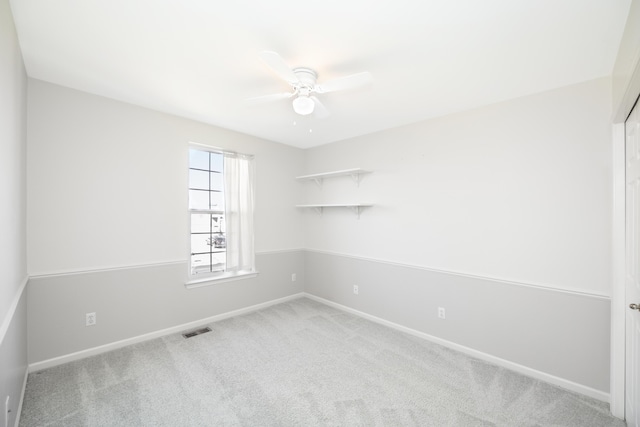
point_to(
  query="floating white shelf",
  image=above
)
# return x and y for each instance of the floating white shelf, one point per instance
(355, 173)
(318, 177)
(356, 207)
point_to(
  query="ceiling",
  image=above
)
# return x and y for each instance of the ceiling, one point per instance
(200, 59)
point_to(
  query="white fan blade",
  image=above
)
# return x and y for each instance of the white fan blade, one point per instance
(277, 64)
(348, 82)
(319, 110)
(269, 98)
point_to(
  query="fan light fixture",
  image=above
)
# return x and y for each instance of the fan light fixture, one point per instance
(303, 105)
(304, 87)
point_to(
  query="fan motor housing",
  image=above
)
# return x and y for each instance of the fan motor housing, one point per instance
(306, 76)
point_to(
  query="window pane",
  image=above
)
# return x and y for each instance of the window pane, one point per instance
(200, 223)
(217, 161)
(208, 263)
(200, 264)
(219, 242)
(206, 192)
(216, 181)
(219, 261)
(207, 223)
(199, 179)
(200, 243)
(198, 159)
(218, 224)
(198, 199)
(217, 201)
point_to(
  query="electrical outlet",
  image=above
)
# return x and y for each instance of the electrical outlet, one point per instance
(441, 313)
(293, 277)
(90, 319)
(355, 289)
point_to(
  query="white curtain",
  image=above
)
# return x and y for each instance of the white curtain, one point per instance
(239, 178)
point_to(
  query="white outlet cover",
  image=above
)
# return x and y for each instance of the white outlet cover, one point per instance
(90, 319)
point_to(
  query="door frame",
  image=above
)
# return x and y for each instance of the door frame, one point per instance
(618, 293)
(618, 334)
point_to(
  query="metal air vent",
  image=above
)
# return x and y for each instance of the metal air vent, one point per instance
(196, 332)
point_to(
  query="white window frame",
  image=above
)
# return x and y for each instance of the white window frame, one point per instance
(207, 279)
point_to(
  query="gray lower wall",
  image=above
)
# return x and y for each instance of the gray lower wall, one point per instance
(559, 333)
(13, 359)
(130, 302)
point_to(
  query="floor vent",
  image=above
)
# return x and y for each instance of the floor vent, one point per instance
(196, 332)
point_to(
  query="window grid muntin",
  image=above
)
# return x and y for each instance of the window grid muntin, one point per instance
(213, 230)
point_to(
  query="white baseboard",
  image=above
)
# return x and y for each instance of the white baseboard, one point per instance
(37, 366)
(533, 373)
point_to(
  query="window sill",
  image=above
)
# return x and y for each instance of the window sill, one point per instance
(214, 280)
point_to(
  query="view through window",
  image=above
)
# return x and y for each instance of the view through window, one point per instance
(207, 211)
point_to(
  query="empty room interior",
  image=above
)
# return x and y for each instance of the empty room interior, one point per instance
(387, 213)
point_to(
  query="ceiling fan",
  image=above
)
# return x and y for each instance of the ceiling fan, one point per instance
(305, 87)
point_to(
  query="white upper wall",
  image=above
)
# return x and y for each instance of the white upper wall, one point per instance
(108, 183)
(519, 191)
(13, 120)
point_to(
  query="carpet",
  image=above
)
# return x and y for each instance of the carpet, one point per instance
(299, 363)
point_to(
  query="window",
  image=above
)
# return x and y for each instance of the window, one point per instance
(221, 214)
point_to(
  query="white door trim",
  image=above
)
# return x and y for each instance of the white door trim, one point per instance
(617, 375)
(618, 308)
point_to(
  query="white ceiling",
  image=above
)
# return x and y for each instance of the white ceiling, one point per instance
(200, 58)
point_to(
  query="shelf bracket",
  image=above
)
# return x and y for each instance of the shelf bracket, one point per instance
(357, 210)
(318, 208)
(318, 182)
(356, 178)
